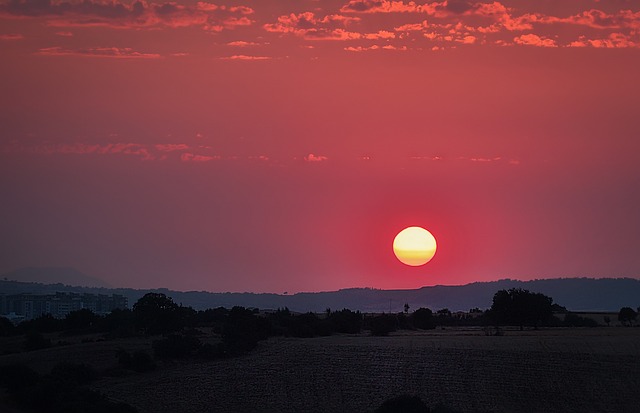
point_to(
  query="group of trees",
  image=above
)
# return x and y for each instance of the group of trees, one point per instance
(240, 329)
(178, 333)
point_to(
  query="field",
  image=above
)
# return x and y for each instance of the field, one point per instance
(553, 370)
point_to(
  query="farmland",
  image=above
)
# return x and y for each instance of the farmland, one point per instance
(552, 370)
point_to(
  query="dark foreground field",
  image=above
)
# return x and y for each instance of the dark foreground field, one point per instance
(590, 370)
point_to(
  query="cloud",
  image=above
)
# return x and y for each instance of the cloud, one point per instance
(191, 157)
(241, 43)
(315, 158)
(614, 40)
(171, 147)
(310, 27)
(103, 52)
(11, 36)
(412, 27)
(262, 158)
(126, 15)
(382, 34)
(130, 149)
(246, 57)
(64, 34)
(375, 47)
(534, 40)
(598, 19)
(467, 39)
(380, 6)
(494, 159)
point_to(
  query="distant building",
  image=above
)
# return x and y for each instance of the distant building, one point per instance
(31, 306)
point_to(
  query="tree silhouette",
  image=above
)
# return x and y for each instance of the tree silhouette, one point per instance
(422, 318)
(242, 330)
(346, 321)
(627, 316)
(155, 313)
(521, 307)
(79, 320)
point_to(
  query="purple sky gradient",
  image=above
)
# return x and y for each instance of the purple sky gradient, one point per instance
(280, 146)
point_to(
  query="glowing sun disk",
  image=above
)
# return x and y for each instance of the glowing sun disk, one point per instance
(414, 246)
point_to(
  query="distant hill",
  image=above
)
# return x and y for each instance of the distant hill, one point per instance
(576, 294)
(54, 275)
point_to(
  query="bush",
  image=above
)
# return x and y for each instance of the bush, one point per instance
(383, 324)
(58, 392)
(79, 321)
(574, 320)
(46, 323)
(140, 361)
(210, 351)
(17, 378)
(118, 323)
(79, 374)
(6, 327)
(35, 341)
(176, 346)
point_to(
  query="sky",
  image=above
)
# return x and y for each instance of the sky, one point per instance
(279, 146)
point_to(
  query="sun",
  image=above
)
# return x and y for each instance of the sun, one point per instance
(414, 246)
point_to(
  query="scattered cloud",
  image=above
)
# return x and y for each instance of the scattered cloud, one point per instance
(315, 158)
(171, 147)
(597, 19)
(245, 57)
(262, 158)
(131, 149)
(375, 47)
(190, 157)
(329, 27)
(412, 27)
(104, 52)
(128, 15)
(614, 40)
(241, 43)
(11, 36)
(471, 22)
(381, 6)
(534, 40)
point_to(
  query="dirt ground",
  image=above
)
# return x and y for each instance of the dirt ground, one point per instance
(554, 370)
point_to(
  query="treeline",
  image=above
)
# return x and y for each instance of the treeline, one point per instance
(240, 329)
(178, 332)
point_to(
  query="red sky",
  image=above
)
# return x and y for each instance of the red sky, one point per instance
(280, 145)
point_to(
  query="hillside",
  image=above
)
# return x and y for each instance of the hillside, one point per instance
(576, 294)
(54, 275)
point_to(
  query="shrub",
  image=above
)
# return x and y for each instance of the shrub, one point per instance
(140, 361)
(383, 324)
(574, 320)
(6, 327)
(35, 341)
(79, 374)
(176, 346)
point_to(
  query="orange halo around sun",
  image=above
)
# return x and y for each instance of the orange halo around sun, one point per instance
(414, 246)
